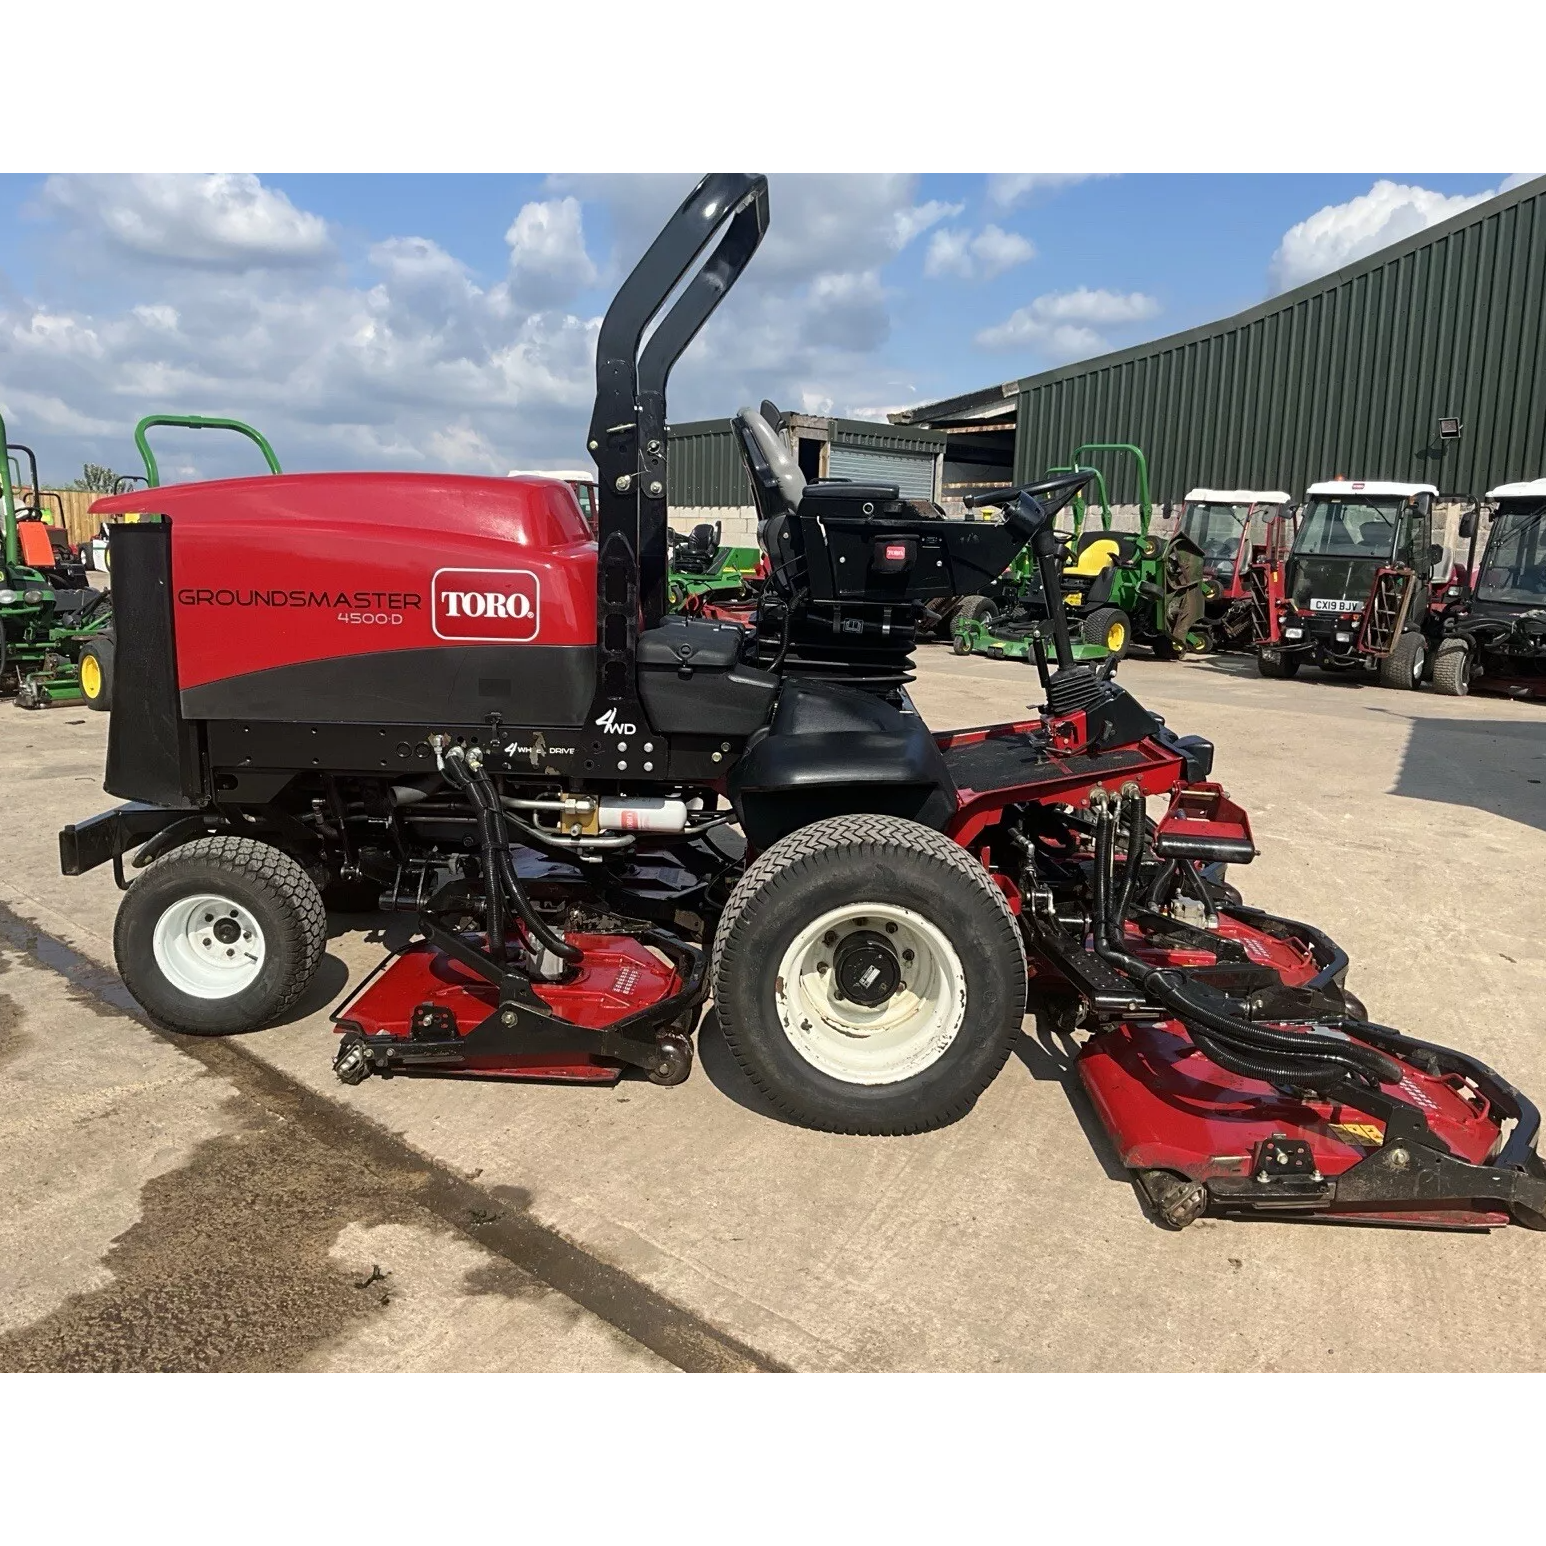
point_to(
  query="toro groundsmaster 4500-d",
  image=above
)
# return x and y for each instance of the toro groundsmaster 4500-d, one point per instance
(503, 731)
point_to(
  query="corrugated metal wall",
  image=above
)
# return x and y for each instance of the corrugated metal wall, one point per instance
(864, 435)
(1347, 375)
(704, 465)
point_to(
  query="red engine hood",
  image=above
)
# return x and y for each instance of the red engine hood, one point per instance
(277, 571)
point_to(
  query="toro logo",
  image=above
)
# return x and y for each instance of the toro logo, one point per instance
(500, 605)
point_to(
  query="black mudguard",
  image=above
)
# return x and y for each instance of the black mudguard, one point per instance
(834, 751)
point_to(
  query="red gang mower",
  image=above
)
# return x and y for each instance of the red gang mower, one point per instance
(597, 815)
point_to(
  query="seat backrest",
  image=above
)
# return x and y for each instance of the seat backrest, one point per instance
(777, 482)
(777, 485)
(36, 550)
(1095, 553)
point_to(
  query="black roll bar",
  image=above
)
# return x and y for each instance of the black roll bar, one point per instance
(628, 435)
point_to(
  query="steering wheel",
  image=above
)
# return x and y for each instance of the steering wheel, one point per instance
(1029, 508)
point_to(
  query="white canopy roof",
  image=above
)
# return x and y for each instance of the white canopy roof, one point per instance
(1351, 486)
(1536, 490)
(1237, 496)
(568, 475)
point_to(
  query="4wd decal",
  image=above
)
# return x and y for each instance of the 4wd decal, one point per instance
(502, 605)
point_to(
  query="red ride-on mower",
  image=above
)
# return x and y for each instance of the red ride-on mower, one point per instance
(504, 732)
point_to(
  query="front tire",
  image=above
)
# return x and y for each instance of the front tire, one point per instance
(96, 674)
(223, 934)
(1402, 668)
(1276, 665)
(869, 976)
(1452, 669)
(1109, 627)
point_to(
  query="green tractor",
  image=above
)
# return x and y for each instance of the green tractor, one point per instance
(1126, 588)
(46, 629)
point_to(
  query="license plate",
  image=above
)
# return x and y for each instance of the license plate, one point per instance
(1334, 604)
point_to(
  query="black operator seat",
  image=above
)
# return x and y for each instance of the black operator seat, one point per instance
(778, 486)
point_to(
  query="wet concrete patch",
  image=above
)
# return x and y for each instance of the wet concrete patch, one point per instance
(228, 1266)
(233, 1262)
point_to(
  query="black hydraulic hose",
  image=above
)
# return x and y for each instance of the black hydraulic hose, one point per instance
(531, 918)
(1135, 834)
(1154, 898)
(499, 867)
(1307, 1057)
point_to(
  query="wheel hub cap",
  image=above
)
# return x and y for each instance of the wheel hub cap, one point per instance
(208, 946)
(871, 993)
(867, 969)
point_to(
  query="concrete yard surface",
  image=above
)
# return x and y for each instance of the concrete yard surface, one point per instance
(1411, 828)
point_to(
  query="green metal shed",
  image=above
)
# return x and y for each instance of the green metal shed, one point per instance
(704, 465)
(1349, 375)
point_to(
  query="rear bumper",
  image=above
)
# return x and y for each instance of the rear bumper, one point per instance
(107, 836)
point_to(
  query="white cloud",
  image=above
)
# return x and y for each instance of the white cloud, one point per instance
(548, 260)
(1515, 180)
(421, 363)
(912, 223)
(225, 219)
(1058, 326)
(1342, 233)
(1006, 189)
(986, 255)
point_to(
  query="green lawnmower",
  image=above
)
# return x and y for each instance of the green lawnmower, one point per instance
(1005, 622)
(46, 631)
(1126, 588)
(701, 568)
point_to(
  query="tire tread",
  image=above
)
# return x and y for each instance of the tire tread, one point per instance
(795, 850)
(301, 906)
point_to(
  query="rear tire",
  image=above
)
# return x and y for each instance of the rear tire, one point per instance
(1452, 668)
(865, 904)
(1276, 665)
(223, 934)
(96, 673)
(1402, 669)
(1109, 627)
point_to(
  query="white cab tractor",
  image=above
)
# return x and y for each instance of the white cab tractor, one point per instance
(1363, 588)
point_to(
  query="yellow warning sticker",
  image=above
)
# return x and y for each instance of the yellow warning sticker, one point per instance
(1359, 1132)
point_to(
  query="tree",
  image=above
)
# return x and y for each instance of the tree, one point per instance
(95, 479)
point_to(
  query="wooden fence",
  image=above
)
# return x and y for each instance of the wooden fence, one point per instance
(78, 521)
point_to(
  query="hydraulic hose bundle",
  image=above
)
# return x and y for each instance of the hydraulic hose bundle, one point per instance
(1309, 1060)
(464, 770)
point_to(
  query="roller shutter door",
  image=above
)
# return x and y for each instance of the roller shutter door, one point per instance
(912, 473)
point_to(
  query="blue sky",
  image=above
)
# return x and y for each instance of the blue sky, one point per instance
(417, 322)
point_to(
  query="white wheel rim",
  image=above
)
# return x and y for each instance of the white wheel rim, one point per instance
(883, 1043)
(209, 946)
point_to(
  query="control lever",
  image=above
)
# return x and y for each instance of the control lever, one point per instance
(1029, 517)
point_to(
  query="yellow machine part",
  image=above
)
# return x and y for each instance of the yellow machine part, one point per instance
(1099, 555)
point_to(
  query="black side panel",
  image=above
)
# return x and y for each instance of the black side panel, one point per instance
(152, 753)
(528, 684)
(835, 751)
